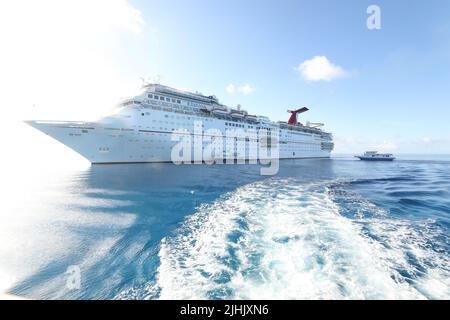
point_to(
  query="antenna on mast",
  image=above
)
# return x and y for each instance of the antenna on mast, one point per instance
(157, 78)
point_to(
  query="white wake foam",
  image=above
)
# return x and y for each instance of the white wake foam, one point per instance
(280, 239)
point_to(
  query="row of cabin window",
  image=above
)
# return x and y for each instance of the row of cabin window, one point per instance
(230, 124)
(235, 125)
(151, 96)
(131, 102)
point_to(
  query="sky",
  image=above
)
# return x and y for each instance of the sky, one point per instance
(385, 89)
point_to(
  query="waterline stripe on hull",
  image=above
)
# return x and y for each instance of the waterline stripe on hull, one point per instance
(142, 162)
(369, 159)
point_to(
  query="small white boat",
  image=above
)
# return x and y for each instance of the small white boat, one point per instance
(220, 111)
(376, 156)
(252, 117)
(237, 114)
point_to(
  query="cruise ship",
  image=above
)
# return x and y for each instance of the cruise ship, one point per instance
(141, 129)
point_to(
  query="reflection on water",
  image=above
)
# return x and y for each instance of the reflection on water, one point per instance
(110, 221)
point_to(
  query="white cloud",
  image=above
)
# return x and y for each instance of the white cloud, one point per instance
(351, 144)
(428, 141)
(385, 146)
(59, 52)
(348, 144)
(245, 89)
(231, 88)
(57, 55)
(127, 16)
(319, 68)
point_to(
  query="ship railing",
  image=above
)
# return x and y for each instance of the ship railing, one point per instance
(188, 111)
(184, 94)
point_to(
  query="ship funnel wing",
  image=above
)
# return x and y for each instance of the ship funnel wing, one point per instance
(293, 118)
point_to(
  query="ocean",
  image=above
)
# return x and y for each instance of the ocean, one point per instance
(335, 228)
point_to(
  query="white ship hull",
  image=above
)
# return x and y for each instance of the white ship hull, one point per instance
(142, 133)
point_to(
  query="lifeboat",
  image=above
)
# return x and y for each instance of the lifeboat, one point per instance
(252, 117)
(220, 111)
(237, 114)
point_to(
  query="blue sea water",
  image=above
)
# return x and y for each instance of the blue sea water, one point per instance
(320, 229)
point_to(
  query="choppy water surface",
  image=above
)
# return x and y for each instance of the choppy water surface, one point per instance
(319, 229)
